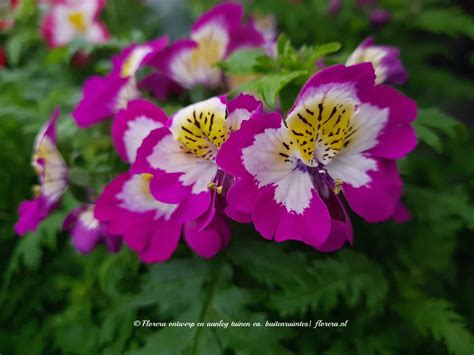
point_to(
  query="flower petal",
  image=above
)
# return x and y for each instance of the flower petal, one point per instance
(132, 125)
(376, 202)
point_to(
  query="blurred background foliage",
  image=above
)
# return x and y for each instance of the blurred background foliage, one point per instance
(403, 288)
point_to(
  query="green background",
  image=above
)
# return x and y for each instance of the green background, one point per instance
(403, 288)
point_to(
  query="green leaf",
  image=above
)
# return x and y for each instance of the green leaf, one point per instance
(269, 86)
(437, 317)
(197, 291)
(325, 49)
(14, 48)
(451, 21)
(242, 61)
(431, 122)
(350, 276)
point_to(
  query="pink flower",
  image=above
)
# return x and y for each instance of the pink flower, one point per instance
(150, 227)
(385, 59)
(343, 133)
(129, 210)
(87, 231)
(52, 173)
(105, 96)
(181, 160)
(68, 20)
(215, 35)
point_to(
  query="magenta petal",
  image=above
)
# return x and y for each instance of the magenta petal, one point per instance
(238, 216)
(141, 164)
(209, 241)
(31, 213)
(229, 156)
(242, 195)
(156, 46)
(164, 59)
(167, 188)
(161, 85)
(401, 213)
(113, 243)
(361, 76)
(397, 137)
(206, 218)
(316, 221)
(106, 205)
(395, 143)
(85, 240)
(227, 15)
(312, 227)
(191, 207)
(376, 202)
(135, 110)
(266, 214)
(99, 100)
(402, 109)
(137, 232)
(163, 243)
(246, 36)
(341, 231)
(244, 101)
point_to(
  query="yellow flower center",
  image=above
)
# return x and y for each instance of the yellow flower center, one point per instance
(78, 21)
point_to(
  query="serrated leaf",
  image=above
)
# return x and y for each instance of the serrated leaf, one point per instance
(437, 317)
(242, 61)
(451, 21)
(269, 86)
(431, 122)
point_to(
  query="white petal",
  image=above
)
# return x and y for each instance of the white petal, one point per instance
(133, 60)
(87, 219)
(367, 123)
(169, 156)
(198, 66)
(137, 130)
(372, 54)
(351, 168)
(264, 161)
(236, 117)
(136, 197)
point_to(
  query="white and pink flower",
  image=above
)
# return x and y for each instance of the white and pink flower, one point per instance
(105, 96)
(215, 35)
(342, 134)
(70, 19)
(52, 173)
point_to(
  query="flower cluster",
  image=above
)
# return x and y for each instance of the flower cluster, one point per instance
(230, 158)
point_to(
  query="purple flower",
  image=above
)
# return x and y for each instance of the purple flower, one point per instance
(385, 59)
(343, 133)
(181, 159)
(150, 227)
(105, 96)
(52, 174)
(379, 17)
(334, 7)
(130, 211)
(215, 35)
(87, 231)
